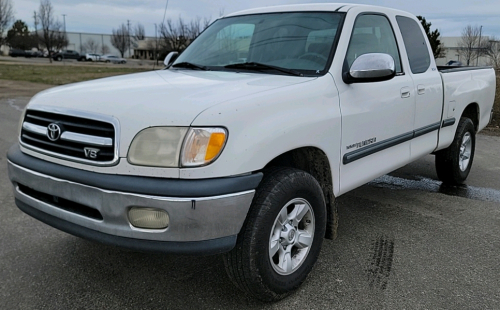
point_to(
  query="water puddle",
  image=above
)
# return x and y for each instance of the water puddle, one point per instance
(429, 185)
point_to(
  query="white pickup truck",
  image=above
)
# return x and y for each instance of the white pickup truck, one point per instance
(243, 142)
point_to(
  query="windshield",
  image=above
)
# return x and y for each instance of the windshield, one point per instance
(296, 41)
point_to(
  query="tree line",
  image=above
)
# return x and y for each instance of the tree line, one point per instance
(49, 33)
(177, 35)
(171, 35)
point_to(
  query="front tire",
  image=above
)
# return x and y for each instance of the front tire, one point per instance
(282, 235)
(453, 164)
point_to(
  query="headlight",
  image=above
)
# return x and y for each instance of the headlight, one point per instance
(202, 146)
(157, 146)
(176, 146)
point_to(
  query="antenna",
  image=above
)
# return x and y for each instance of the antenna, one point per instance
(161, 25)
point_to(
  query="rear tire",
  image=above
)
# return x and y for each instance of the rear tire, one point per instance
(282, 235)
(453, 164)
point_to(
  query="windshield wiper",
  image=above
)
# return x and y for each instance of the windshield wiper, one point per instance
(260, 67)
(190, 65)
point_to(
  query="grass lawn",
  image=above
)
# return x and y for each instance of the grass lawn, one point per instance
(496, 107)
(59, 75)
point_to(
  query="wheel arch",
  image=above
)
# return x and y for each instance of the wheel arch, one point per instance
(472, 112)
(315, 162)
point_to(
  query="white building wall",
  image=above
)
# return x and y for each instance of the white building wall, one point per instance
(451, 52)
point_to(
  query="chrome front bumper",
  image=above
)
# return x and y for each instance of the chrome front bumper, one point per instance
(191, 219)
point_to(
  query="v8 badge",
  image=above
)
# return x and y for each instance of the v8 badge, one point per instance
(91, 152)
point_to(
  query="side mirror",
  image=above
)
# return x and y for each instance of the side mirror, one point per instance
(373, 67)
(170, 58)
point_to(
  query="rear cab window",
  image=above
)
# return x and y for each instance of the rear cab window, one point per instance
(415, 45)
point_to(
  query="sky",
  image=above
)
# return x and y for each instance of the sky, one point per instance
(101, 16)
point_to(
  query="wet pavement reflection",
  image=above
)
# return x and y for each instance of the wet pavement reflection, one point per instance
(430, 185)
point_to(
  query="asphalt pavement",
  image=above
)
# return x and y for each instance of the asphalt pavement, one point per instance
(405, 241)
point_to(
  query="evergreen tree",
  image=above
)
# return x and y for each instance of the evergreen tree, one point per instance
(432, 36)
(19, 36)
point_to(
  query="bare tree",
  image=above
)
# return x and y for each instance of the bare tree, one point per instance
(492, 51)
(120, 39)
(52, 35)
(139, 32)
(196, 27)
(60, 40)
(6, 17)
(176, 36)
(91, 46)
(105, 49)
(469, 43)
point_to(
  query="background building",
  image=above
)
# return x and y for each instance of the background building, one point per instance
(451, 52)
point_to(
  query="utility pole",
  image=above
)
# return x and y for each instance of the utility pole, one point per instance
(156, 45)
(36, 30)
(65, 35)
(479, 47)
(128, 30)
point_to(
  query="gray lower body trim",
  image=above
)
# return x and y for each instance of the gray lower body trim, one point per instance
(448, 122)
(191, 219)
(377, 147)
(425, 130)
(382, 145)
(205, 247)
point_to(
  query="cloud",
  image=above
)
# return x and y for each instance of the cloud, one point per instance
(449, 16)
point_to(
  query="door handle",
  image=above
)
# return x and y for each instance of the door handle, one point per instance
(405, 92)
(421, 89)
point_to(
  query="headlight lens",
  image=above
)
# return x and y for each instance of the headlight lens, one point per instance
(163, 146)
(157, 146)
(202, 146)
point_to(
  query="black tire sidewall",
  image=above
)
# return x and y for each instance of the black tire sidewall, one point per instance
(299, 185)
(448, 160)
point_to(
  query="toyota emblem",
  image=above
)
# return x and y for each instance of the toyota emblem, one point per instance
(53, 132)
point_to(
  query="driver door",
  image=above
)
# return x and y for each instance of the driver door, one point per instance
(377, 117)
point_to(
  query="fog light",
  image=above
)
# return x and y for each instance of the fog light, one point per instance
(148, 218)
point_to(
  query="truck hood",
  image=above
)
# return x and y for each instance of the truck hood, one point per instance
(157, 98)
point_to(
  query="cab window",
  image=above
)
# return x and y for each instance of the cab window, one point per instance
(415, 44)
(373, 33)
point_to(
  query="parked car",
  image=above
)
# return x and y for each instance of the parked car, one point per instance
(216, 155)
(92, 57)
(14, 52)
(32, 53)
(454, 63)
(112, 58)
(68, 54)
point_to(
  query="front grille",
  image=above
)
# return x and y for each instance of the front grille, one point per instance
(73, 137)
(62, 203)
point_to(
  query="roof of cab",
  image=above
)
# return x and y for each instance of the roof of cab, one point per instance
(330, 7)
